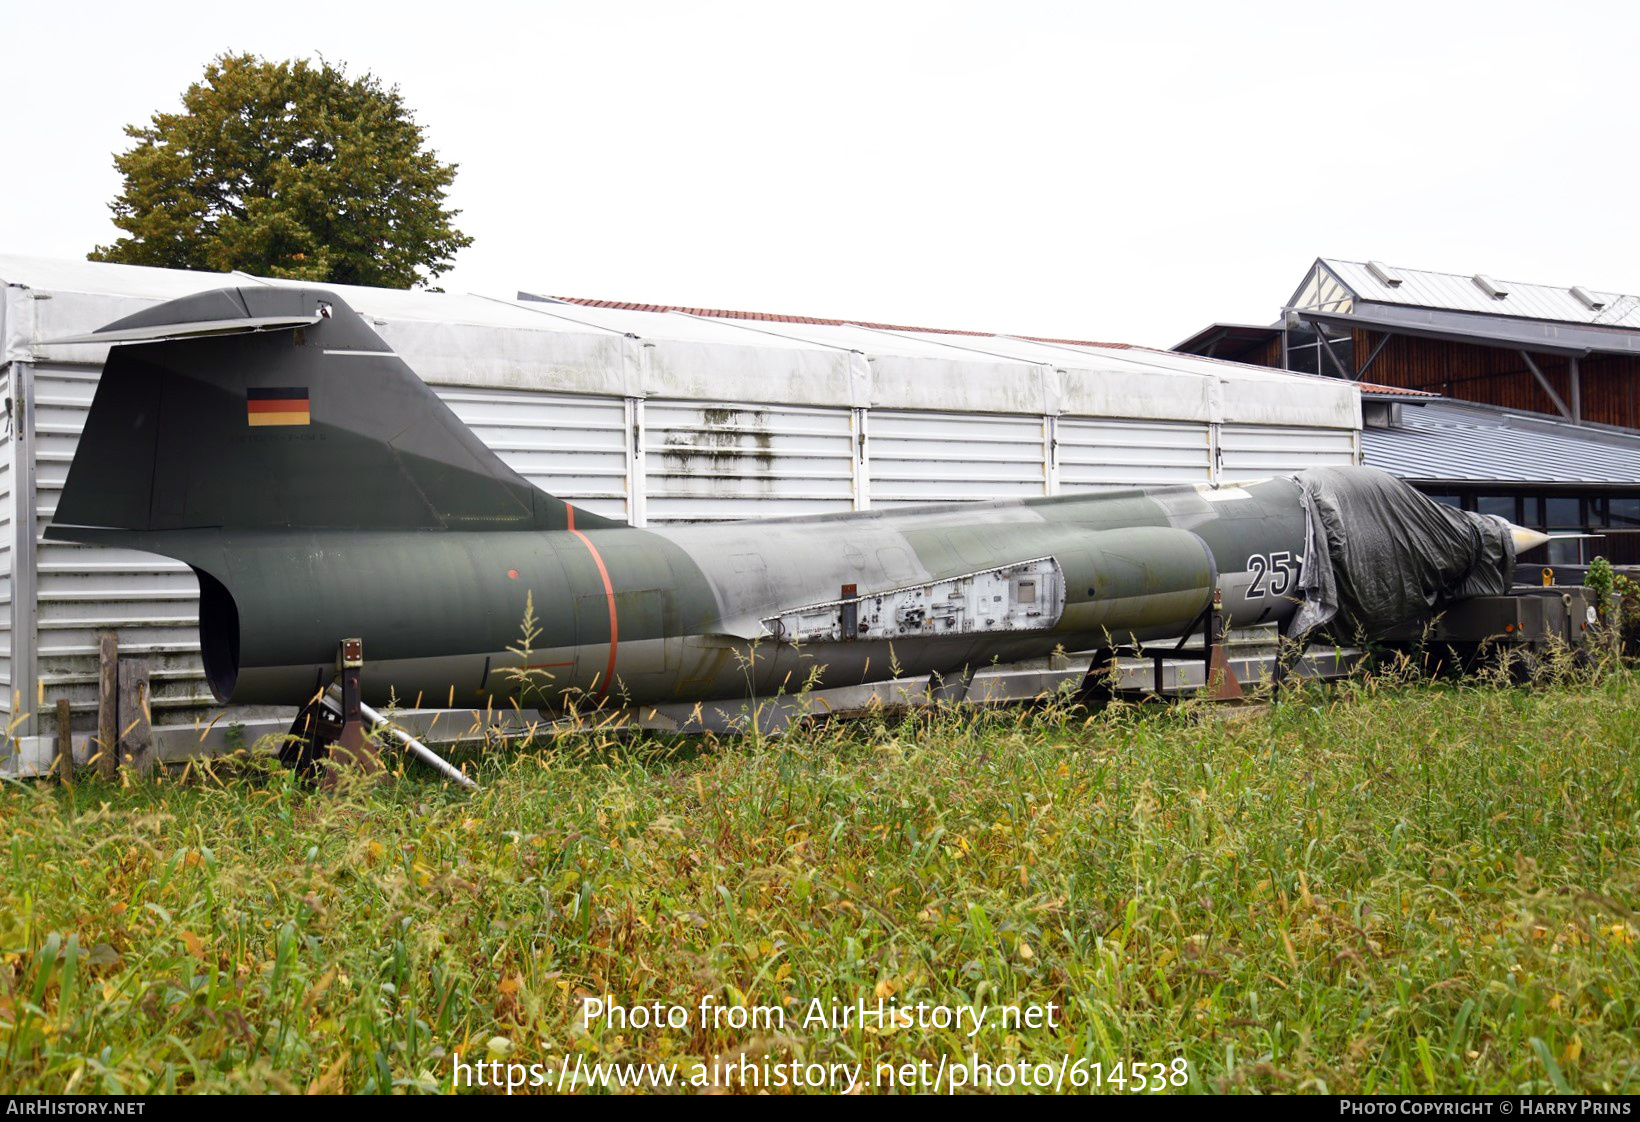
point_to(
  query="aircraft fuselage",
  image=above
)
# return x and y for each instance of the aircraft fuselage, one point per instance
(693, 612)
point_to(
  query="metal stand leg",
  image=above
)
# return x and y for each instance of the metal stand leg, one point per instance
(1289, 650)
(1222, 683)
(1097, 686)
(353, 749)
(942, 690)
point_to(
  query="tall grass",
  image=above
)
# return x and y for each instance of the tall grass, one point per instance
(1372, 888)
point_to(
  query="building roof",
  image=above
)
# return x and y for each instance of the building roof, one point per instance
(1512, 332)
(1373, 389)
(594, 347)
(774, 317)
(1228, 341)
(1423, 288)
(1241, 332)
(1475, 310)
(1461, 442)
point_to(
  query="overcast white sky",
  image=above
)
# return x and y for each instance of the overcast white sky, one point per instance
(1126, 172)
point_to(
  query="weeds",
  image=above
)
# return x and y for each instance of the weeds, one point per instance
(1371, 887)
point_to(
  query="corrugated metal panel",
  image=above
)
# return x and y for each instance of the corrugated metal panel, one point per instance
(1424, 289)
(1103, 454)
(572, 447)
(150, 602)
(1473, 443)
(948, 457)
(1257, 451)
(720, 460)
(7, 507)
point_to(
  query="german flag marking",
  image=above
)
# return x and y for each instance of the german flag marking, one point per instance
(277, 406)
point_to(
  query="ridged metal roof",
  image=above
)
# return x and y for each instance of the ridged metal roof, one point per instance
(1424, 289)
(1464, 443)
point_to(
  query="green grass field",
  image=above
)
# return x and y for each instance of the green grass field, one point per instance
(1368, 888)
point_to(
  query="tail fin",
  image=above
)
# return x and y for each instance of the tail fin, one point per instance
(279, 408)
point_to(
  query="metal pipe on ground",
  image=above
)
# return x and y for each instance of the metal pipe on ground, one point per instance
(419, 750)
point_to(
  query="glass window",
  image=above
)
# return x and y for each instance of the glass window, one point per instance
(1624, 511)
(1344, 351)
(1305, 360)
(1563, 512)
(1447, 498)
(1501, 505)
(1322, 292)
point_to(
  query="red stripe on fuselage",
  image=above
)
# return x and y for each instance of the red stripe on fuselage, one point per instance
(609, 595)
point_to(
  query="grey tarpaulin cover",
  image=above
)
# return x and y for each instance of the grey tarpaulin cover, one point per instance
(1379, 554)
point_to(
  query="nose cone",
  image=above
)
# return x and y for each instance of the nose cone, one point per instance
(1526, 539)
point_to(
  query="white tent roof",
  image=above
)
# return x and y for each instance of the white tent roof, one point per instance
(463, 339)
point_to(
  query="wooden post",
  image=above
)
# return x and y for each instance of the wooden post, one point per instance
(106, 745)
(136, 737)
(65, 743)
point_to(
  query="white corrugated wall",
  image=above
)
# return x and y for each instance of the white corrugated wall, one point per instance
(1249, 452)
(1104, 453)
(718, 460)
(952, 457)
(7, 529)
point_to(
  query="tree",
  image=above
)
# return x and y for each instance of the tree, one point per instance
(286, 169)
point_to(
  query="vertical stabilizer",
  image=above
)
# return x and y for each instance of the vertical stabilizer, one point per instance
(279, 408)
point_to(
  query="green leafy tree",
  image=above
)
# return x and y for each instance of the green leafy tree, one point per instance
(286, 169)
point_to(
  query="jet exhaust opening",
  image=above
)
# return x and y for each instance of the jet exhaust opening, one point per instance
(218, 635)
